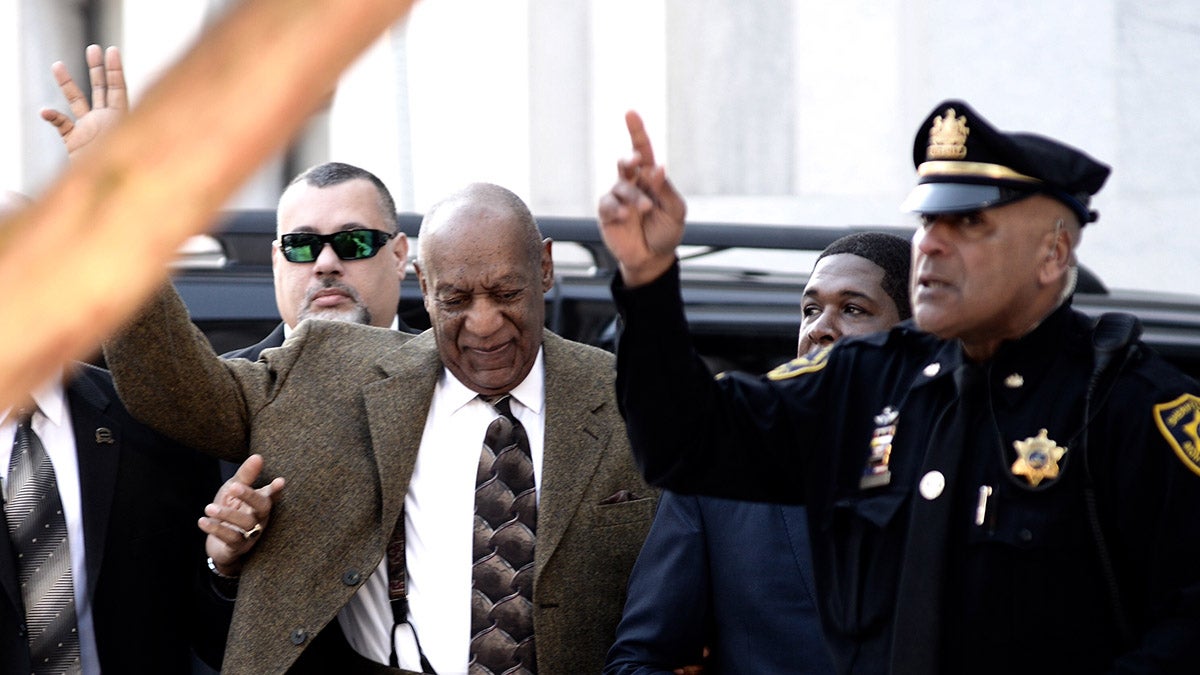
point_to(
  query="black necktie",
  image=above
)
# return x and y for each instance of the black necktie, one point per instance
(916, 639)
(38, 530)
(505, 530)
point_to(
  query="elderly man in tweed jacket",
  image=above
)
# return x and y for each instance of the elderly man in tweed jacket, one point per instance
(342, 410)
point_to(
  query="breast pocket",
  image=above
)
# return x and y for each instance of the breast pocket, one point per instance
(864, 536)
(1037, 552)
(633, 511)
(1030, 523)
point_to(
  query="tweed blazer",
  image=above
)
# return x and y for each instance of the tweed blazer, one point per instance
(339, 411)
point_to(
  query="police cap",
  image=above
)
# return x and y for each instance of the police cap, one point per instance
(965, 164)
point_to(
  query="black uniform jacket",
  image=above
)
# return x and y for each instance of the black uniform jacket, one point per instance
(141, 495)
(1023, 589)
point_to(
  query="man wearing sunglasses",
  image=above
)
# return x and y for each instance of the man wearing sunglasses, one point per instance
(339, 256)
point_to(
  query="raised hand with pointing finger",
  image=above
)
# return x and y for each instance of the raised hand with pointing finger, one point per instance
(641, 217)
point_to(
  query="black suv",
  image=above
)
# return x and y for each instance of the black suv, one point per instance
(741, 285)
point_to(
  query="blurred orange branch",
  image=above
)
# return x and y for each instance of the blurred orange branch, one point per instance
(78, 262)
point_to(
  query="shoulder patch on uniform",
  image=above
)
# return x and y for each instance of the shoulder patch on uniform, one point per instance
(1178, 421)
(809, 363)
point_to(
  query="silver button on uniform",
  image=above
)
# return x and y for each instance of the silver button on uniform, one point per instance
(932, 485)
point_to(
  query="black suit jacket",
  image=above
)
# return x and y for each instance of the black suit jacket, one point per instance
(274, 339)
(141, 496)
(732, 576)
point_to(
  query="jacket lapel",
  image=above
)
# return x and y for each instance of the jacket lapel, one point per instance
(98, 447)
(8, 566)
(573, 443)
(796, 524)
(397, 407)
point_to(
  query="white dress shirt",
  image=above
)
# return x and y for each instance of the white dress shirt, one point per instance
(52, 424)
(439, 518)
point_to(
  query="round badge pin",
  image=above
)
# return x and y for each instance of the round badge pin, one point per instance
(932, 485)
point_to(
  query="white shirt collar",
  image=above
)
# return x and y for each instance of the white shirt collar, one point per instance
(51, 400)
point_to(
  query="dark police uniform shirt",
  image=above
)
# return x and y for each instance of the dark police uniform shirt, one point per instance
(1023, 589)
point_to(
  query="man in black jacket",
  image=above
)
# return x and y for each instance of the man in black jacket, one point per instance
(339, 255)
(999, 485)
(129, 499)
(321, 272)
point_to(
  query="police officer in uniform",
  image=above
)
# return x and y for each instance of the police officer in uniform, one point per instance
(1000, 485)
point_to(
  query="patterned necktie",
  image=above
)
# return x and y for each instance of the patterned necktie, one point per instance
(38, 530)
(505, 527)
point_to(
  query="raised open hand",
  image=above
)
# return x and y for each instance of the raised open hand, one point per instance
(110, 100)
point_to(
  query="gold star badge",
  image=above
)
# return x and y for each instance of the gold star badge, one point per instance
(1037, 458)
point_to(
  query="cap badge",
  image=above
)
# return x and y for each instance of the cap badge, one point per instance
(948, 137)
(1037, 458)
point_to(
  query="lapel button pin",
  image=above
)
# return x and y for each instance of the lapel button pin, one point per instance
(932, 485)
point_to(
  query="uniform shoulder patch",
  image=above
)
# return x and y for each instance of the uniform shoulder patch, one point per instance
(1178, 421)
(809, 363)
